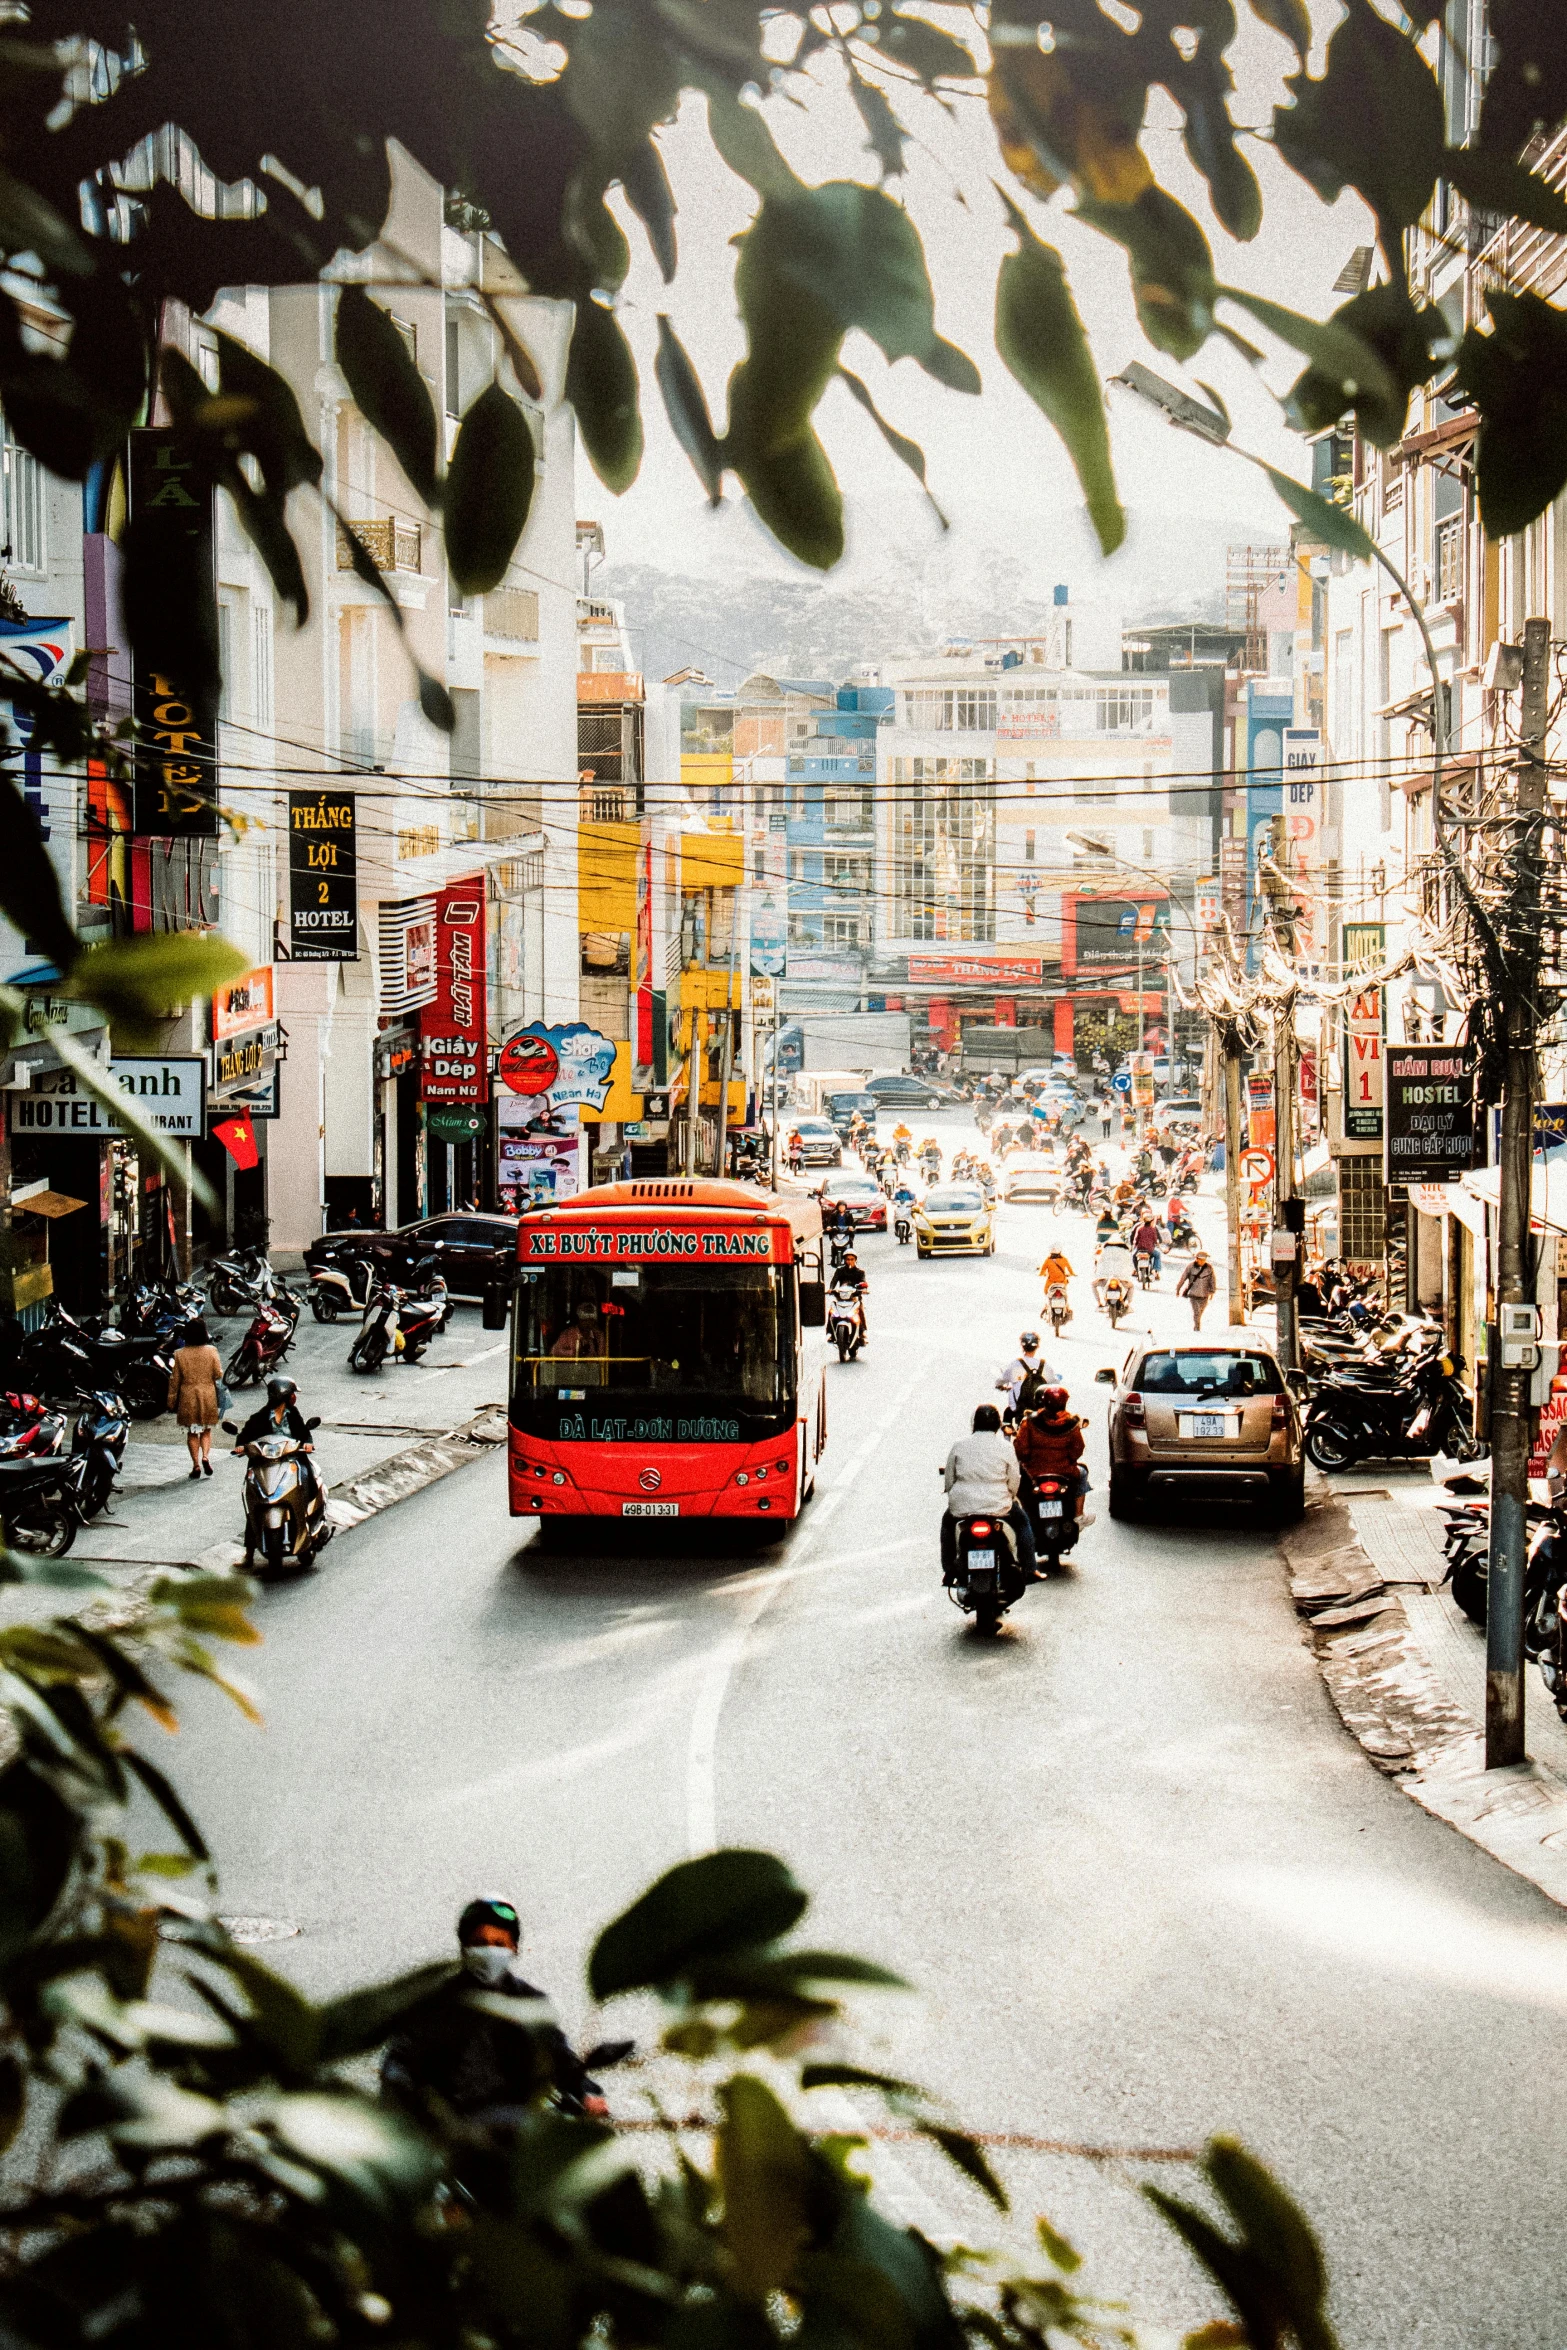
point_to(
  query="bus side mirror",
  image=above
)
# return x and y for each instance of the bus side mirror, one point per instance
(496, 1296)
(813, 1305)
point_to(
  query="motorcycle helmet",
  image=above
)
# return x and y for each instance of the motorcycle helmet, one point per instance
(1052, 1400)
(281, 1389)
(488, 1909)
(1029, 1341)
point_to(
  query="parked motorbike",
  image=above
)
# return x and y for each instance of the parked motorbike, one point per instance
(986, 1579)
(35, 1507)
(400, 1323)
(28, 1429)
(846, 1324)
(63, 1357)
(159, 1309)
(266, 1342)
(341, 1288)
(97, 1452)
(286, 1524)
(237, 1284)
(1423, 1413)
(1118, 1299)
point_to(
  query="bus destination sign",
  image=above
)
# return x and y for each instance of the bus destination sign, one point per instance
(602, 1242)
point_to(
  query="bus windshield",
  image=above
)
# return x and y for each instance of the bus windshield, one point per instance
(678, 1353)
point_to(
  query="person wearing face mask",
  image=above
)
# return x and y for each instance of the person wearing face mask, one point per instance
(478, 2065)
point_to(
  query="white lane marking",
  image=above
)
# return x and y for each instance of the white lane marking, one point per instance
(701, 1751)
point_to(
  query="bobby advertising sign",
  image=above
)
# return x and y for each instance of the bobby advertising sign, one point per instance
(323, 879)
(171, 1095)
(454, 1046)
(1430, 1112)
(555, 1069)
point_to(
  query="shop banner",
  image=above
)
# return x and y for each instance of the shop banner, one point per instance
(1113, 933)
(170, 1094)
(323, 878)
(1550, 1126)
(555, 1071)
(454, 1035)
(176, 757)
(971, 970)
(535, 1170)
(1365, 948)
(1430, 1126)
(244, 1003)
(243, 1061)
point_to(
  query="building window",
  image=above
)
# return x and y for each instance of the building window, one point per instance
(944, 849)
(24, 509)
(969, 709)
(1124, 709)
(841, 930)
(261, 671)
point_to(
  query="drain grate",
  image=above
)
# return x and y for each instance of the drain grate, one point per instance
(260, 1929)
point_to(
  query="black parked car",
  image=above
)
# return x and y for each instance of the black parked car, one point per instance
(472, 1251)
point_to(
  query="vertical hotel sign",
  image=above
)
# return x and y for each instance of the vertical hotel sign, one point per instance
(323, 879)
(1365, 945)
(454, 1043)
(176, 758)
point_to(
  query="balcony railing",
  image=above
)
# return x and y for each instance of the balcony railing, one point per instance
(606, 803)
(391, 546)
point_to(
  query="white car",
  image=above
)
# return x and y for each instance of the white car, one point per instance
(1030, 1175)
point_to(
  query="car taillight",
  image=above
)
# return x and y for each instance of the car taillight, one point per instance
(1281, 1412)
(981, 1526)
(1132, 1412)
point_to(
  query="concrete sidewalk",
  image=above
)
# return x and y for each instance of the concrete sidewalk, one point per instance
(1406, 1668)
(380, 1438)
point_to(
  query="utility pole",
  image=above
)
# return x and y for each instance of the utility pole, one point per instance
(1231, 1046)
(1509, 1382)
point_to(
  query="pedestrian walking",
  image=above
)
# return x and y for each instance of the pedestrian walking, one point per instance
(193, 1393)
(1197, 1284)
(1105, 1115)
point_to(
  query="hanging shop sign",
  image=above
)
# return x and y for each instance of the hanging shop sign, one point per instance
(1365, 948)
(396, 1052)
(971, 970)
(170, 1094)
(1430, 1125)
(240, 1062)
(1550, 1126)
(1208, 904)
(556, 1071)
(323, 877)
(1112, 933)
(454, 1037)
(535, 1170)
(448, 1122)
(175, 789)
(244, 1003)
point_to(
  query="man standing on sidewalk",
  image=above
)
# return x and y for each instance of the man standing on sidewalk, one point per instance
(1197, 1284)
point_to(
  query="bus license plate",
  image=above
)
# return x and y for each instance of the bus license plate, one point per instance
(1050, 1509)
(1204, 1424)
(650, 1509)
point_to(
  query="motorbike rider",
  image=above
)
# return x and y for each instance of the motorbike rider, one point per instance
(1056, 1271)
(1147, 1240)
(478, 2063)
(1109, 1224)
(281, 1415)
(1049, 1443)
(982, 1475)
(1113, 1263)
(851, 1275)
(1026, 1374)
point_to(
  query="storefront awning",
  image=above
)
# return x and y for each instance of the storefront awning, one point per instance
(1548, 1198)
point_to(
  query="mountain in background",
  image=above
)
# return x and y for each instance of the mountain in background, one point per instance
(790, 623)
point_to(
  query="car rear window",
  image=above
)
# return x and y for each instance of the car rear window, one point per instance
(1224, 1371)
(950, 1199)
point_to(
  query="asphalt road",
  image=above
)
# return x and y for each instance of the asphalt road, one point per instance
(1146, 1885)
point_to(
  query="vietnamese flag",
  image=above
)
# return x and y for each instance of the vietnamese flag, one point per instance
(238, 1138)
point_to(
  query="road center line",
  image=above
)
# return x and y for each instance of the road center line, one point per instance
(701, 1751)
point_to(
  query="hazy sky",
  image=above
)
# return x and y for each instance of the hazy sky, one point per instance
(994, 464)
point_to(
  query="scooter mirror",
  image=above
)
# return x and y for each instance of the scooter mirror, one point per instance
(228, 1428)
(315, 1423)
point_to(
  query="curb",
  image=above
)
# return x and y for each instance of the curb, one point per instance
(1391, 1701)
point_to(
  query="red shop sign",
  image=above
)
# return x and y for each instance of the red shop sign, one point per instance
(454, 1029)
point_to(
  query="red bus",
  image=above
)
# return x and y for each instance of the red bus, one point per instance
(667, 1350)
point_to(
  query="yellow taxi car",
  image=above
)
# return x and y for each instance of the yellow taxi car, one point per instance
(1214, 1416)
(954, 1219)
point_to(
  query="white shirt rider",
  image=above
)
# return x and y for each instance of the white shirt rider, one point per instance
(1114, 1262)
(1027, 1366)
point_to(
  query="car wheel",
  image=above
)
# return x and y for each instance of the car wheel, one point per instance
(1122, 1504)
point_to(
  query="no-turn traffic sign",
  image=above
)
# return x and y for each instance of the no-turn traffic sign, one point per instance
(1256, 1167)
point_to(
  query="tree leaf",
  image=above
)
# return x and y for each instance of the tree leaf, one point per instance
(1172, 269)
(601, 384)
(362, 2019)
(391, 393)
(854, 2076)
(909, 452)
(1526, 80)
(764, 2171)
(652, 199)
(13, 2099)
(382, 2161)
(795, 493)
(924, 48)
(724, 1902)
(1339, 354)
(1517, 377)
(489, 488)
(883, 132)
(1055, 2247)
(1041, 341)
(858, 255)
(140, 981)
(1500, 183)
(168, 1800)
(434, 700)
(685, 404)
(1404, 336)
(1373, 122)
(1072, 117)
(1273, 2275)
(1333, 524)
(29, 885)
(743, 139)
(962, 2151)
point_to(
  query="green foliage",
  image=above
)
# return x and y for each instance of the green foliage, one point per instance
(391, 393)
(1403, 336)
(1041, 340)
(488, 491)
(1374, 122)
(1517, 377)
